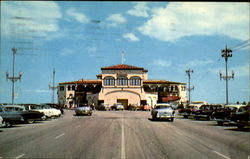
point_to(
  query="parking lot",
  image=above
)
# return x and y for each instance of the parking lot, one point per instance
(123, 134)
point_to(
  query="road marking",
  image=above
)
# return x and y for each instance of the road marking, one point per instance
(123, 141)
(59, 136)
(20, 156)
(221, 155)
(179, 133)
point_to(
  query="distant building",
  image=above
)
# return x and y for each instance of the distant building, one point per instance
(121, 84)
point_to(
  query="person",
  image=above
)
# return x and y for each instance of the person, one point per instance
(61, 109)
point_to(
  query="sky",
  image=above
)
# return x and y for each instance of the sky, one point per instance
(167, 38)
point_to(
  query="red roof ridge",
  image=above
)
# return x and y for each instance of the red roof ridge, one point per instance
(84, 81)
(122, 67)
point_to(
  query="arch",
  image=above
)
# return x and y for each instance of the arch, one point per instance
(135, 81)
(109, 81)
(122, 81)
(122, 92)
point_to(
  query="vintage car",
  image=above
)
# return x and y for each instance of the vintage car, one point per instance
(241, 117)
(10, 118)
(1, 121)
(163, 111)
(133, 107)
(224, 115)
(29, 116)
(146, 107)
(186, 112)
(104, 106)
(83, 110)
(119, 106)
(48, 111)
(206, 111)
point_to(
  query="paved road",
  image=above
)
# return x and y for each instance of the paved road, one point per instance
(123, 134)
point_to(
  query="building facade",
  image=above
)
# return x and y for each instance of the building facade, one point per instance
(124, 84)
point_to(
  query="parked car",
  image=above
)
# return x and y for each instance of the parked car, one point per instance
(163, 111)
(10, 118)
(241, 117)
(206, 111)
(29, 116)
(83, 110)
(1, 121)
(46, 109)
(224, 115)
(104, 106)
(119, 106)
(133, 107)
(186, 112)
(146, 107)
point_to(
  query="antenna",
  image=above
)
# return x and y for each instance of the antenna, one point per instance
(122, 57)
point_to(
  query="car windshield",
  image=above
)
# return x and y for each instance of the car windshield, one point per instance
(231, 108)
(163, 107)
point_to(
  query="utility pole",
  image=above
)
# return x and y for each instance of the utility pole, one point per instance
(53, 87)
(189, 71)
(226, 53)
(13, 79)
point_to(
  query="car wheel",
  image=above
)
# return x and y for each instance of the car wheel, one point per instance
(240, 126)
(220, 123)
(30, 121)
(7, 124)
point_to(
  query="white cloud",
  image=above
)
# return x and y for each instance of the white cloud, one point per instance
(196, 63)
(130, 37)
(80, 17)
(37, 91)
(140, 10)
(67, 52)
(161, 63)
(92, 49)
(29, 18)
(182, 19)
(116, 19)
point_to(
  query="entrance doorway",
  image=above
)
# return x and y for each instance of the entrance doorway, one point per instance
(124, 102)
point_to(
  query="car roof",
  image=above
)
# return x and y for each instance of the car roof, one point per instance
(160, 104)
(235, 105)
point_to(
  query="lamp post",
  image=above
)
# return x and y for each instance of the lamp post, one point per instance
(226, 53)
(53, 87)
(189, 71)
(13, 79)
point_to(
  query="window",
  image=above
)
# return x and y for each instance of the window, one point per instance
(109, 81)
(135, 81)
(69, 88)
(61, 88)
(73, 88)
(122, 81)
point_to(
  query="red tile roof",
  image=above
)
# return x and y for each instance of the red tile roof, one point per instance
(123, 67)
(99, 75)
(160, 82)
(84, 82)
(170, 98)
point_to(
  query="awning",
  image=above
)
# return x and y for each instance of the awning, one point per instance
(170, 98)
